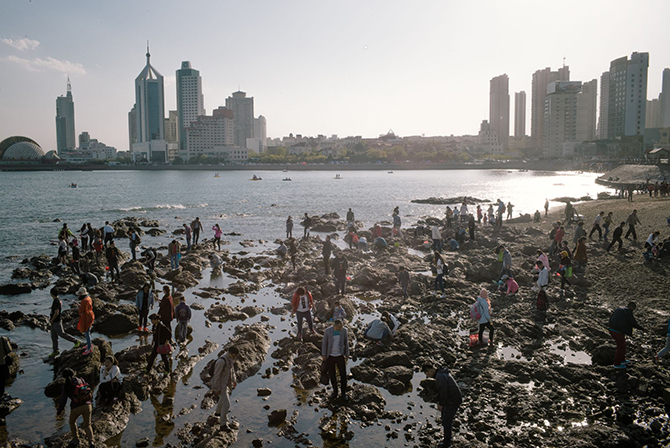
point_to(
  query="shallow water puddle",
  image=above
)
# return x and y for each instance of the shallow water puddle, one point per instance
(570, 356)
(507, 353)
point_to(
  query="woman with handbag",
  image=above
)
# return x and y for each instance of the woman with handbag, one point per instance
(161, 344)
(110, 384)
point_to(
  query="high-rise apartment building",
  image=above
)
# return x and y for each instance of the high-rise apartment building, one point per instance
(190, 101)
(84, 140)
(206, 133)
(260, 141)
(499, 108)
(560, 117)
(171, 127)
(520, 114)
(541, 79)
(65, 136)
(653, 114)
(604, 105)
(587, 109)
(665, 99)
(150, 115)
(626, 112)
(243, 110)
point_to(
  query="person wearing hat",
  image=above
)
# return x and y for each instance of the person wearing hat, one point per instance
(143, 302)
(86, 317)
(484, 305)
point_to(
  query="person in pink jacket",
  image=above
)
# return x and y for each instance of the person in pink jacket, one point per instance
(217, 236)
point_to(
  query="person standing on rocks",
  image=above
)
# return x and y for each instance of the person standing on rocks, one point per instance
(565, 269)
(108, 233)
(112, 255)
(350, 217)
(340, 266)
(76, 255)
(616, 236)
(302, 305)
(484, 305)
(666, 349)
(464, 211)
(621, 324)
(134, 241)
(5, 350)
(166, 308)
(338, 312)
(183, 314)
(161, 337)
(471, 227)
(57, 326)
(404, 279)
(396, 226)
(62, 251)
(223, 383)
(196, 227)
(449, 214)
(217, 236)
(289, 227)
(440, 268)
(86, 318)
(506, 262)
(632, 221)
(510, 209)
(187, 234)
(437, 238)
(292, 251)
(335, 352)
(150, 258)
(144, 301)
(97, 246)
(596, 226)
(480, 214)
(65, 233)
(326, 251)
(80, 396)
(580, 255)
(450, 398)
(546, 207)
(307, 223)
(174, 252)
(84, 237)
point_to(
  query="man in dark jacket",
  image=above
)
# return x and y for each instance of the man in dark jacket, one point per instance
(450, 398)
(621, 324)
(326, 251)
(617, 237)
(340, 266)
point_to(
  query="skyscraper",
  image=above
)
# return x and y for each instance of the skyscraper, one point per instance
(587, 108)
(243, 110)
(65, 136)
(560, 117)
(150, 115)
(171, 127)
(520, 114)
(653, 114)
(604, 105)
(260, 133)
(627, 105)
(541, 79)
(132, 128)
(499, 108)
(665, 99)
(190, 101)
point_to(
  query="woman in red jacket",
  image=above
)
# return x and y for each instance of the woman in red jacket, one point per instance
(86, 317)
(302, 306)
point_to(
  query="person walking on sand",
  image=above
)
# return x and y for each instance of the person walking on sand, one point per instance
(632, 221)
(449, 398)
(666, 349)
(326, 251)
(579, 232)
(81, 396)
(302, 304)
(621, 324)
(607, 221)
(86, 318)
(187, 233)
(335, 353)
(307, 223)
(404, 279)
(57, 325)
(546, 207)
(224, 381)
(144, 301)
(580, 255)
(289, 227)
(340, 265)
(440, 268)
(484, 305)
(160, 344)
(196, 227)
(616, 237)
(217, 236)
(596, 226)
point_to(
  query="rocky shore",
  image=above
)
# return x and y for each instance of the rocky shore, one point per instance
(547, 382)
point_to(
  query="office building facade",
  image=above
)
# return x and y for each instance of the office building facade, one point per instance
(190, 101)
(541, 80)
(243, 110)
(520, 114)
(65, 135)
(499, 108)
(627, 106)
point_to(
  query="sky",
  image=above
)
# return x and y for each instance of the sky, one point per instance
(347, 67)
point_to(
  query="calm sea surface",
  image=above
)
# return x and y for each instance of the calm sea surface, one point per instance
(30, 202)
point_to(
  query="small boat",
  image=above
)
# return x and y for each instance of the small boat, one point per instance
(287, 179)
(74, 185)
(217, 175)
(337, 176)
(256, 178)
(285, 170)
(389, 172)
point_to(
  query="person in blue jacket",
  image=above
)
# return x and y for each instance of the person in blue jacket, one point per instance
(450, 398)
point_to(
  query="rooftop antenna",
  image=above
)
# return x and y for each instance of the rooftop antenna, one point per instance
(563, 61)
(69, 86)
(148, 54)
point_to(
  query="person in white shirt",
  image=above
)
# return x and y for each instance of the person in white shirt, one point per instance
(110, 381)
(437, 239)
(108, 233)
(596, 226)
(652, 240)
(543, 277)
(440, 267)
(464, 211)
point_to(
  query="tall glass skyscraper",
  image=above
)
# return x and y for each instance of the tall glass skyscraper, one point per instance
(149, 103)
(65, 136)
(190, 102)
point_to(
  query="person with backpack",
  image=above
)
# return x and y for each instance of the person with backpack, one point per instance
(621, 324)
(112, 255)
(135, 241)
(224, 381)
(81, 396)
(450, 398)
(483, 305)
(183, 314)
(440, 269)
(110, 381)
(666, 349)
(335, 353)
(162, 334)
(5, 362)
(302, 304)
(144, 301)
(86, 318)
(57, 326)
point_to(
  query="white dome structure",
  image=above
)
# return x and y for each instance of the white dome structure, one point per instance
(23, 151)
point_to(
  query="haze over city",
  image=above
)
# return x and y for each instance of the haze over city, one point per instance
(341, 68)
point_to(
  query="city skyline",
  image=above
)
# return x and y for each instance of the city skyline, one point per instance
(355, 75)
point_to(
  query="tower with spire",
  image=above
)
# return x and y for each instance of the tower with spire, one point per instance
(149, 115)
(65, 135)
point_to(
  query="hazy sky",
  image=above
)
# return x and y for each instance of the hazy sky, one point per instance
(313, 67)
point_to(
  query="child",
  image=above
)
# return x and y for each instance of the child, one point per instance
(183, 313)
(97, 245)
(338, 312)
(509, 285)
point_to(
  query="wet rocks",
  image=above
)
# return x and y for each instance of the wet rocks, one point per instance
(224, 313)
(277, 417)
(264, 392)
(14, 289)
(9, 321)
(7, 407)
(390, 370)
(31, 274)
(133, 275)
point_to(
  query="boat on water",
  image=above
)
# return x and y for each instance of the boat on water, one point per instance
(287, 179)
(389, 172)
(217, 175)
(285, 170)
(74, 185)
(256, 178)
(337, 176)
